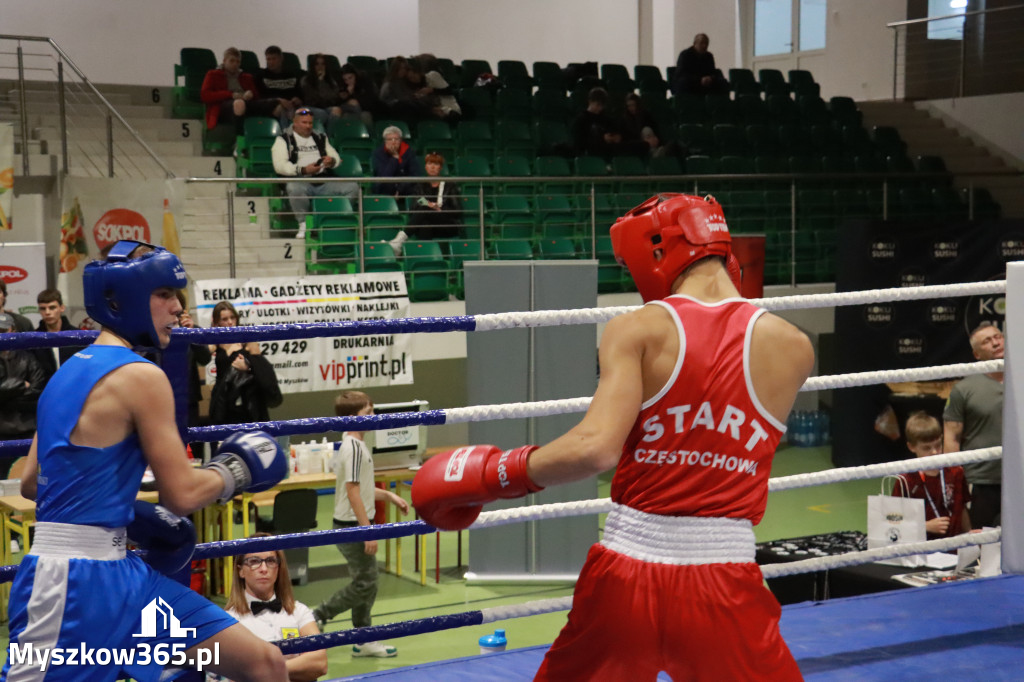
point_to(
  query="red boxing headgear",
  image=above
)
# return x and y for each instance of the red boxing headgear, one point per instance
(666, 234)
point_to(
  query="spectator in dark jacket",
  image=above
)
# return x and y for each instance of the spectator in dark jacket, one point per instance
(246, 384)
(280, 85)
(21, 323)
(696, 73)
(51, 310)
(595, 133)
(21, 382)
(394, 159)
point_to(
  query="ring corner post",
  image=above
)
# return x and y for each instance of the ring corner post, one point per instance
(1013, 423)
(176, 366)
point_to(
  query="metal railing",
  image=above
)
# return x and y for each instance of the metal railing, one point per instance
(959, 55)
(88, 123)
(798, 213)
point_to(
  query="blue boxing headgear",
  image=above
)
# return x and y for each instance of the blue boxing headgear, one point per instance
(117, 290)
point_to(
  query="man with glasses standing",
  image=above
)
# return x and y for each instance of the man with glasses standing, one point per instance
(354, 497)
(301, 152)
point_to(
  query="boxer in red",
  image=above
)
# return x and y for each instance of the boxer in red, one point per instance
(694, 393)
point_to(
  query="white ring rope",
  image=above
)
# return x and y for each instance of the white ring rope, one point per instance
(879, 553)
(543, 408)
(546, 318)
(887, 376)
(533, 608)
(500, 517)
(901, 466)
(546, 408)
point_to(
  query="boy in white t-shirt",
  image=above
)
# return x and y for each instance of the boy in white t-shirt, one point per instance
(355, 496)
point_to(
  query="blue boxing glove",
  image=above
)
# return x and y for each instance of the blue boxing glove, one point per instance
(251, 461)
(168, 539)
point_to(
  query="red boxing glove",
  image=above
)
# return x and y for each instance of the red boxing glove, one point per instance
(451, 489)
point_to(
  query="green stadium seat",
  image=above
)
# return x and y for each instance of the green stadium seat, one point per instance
(557, 249)
(195, 62)
(696, 139)
(616, 77)
(552, 137)
(554, 166)
(378, 257)
(548, 75)
(290, 62)
(473, 69)
(475, 138)
(383, 211)
(250, 62)
(742, 82)
(730, 139)
(773, 82)
(512, 249)
(333, 64)
(436, 136)
(514, 75)
(689, 108)
(462, 250)
(426, 270)
(782, 110)
(751, 109)
(513, 104)
(514, 137)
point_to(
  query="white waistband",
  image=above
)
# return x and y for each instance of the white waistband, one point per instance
(678, 540)
(73, 541)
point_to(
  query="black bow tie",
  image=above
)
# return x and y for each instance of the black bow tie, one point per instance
(257, 606)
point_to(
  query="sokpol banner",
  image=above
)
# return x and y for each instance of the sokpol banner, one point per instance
(99, 212)
(320, 364)
(6, 174)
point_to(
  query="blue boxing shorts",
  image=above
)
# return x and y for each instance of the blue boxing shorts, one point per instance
(84, 609)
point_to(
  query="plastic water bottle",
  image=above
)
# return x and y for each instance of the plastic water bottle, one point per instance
(824, 432)
(804, 429)
(492, 644)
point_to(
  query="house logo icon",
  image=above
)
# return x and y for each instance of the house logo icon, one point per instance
(158, 615)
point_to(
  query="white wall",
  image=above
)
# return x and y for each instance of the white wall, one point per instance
(859, 55)
(136, 41)
(531, 30)
(993, 120)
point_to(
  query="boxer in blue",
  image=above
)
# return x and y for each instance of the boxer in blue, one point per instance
(81, 607)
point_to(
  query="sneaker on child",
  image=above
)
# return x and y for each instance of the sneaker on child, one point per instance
(375, 649)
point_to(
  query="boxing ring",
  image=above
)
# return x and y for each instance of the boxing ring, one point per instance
(966, 630)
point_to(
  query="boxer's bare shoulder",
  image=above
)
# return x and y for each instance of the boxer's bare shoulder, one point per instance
(781, 359)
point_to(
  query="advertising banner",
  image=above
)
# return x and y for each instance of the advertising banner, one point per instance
(320, 364)
(900, 334)
(6, 174)
(23, 268)
(98, 212)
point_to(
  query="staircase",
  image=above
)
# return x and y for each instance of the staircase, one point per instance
(927, 135)
(203, 226)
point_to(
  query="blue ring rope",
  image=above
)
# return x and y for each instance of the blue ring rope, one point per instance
(371, 422)
(376, 632)
(317, 538)
(215, 335)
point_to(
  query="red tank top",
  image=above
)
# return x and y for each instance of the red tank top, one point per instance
(703, 445)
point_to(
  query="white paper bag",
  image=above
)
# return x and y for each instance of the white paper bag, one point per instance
(896, 521)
